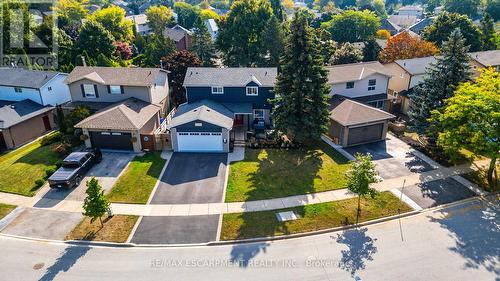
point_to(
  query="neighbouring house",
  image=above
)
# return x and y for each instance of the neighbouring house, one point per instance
(213, 29)
(420, 26)
(393, 28)
(23, 121)
(180, 35)
(417, 11)
(130, 103)
(144, 7)
(124, 5)
(403, 21)
(42, 87)
(485, 59)
(354, 123)
(141, 24)
(365, 82)
(223, 105)
(406, 75)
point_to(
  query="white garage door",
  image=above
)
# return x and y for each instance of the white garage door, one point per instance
(199, 142)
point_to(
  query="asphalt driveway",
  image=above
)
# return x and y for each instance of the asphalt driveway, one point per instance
(438, 192)
(192, 178)
(176, 230)
(393, 158)
(107, 172)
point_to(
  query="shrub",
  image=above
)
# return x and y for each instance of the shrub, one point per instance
(49, 172)
(39, 182)
(51, 138)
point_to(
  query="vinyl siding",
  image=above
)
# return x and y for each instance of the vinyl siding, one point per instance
(231, 95)
(141, 93)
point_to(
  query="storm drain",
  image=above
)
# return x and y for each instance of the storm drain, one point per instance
(286, 216)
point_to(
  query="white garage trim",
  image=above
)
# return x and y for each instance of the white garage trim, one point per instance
(200, 142)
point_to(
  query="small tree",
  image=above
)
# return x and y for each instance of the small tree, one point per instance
(360, 176)
(347, 53)
(404, 46)
(178, 63)
(95, 204)
(61, 121)
(488, 33)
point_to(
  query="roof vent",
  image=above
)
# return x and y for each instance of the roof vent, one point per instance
(12, 106)
(208, 109)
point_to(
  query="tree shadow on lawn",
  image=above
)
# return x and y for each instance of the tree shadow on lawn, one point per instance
(479, 245)
(360, 249)
(283, 173)
(65, 262)
(41, 155)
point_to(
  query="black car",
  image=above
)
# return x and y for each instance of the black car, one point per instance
(74, 167)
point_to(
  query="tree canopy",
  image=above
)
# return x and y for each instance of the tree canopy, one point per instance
(186, 14)
(159, 18)
(471, 119)
(404, 46)
(95, 204)
(347, 53)
(464, 7)
(444, 24)
(95, 40)
(177, 63)
(113, 20)
(202, 45)
(353, 26)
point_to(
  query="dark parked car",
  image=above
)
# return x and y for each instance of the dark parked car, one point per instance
(74, 167)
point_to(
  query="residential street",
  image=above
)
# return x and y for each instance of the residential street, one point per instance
(456, 243)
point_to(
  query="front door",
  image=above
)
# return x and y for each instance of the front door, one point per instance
(238, 120)
(3, 145)
(46, 123)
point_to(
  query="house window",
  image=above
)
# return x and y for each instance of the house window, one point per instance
(252, 91)
(89, 91)
(258, 114)
(377, 104)
(18, 90)
(371, 84)
(349, 85)
(217, 90)
(115, 89)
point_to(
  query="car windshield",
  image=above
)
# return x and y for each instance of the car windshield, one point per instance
(70, 165)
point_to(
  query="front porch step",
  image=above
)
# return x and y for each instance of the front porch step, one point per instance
(240, 143)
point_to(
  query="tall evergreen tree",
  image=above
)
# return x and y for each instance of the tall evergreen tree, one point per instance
(277, 9)
(487, 33)
(202, 45)
(301, 103)
(371, 50)
(274, 36)
(440, 81)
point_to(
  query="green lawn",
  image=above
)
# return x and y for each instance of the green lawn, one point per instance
(312, 217)
(5, 209)
(116, 229)
(272, 173)
(481, 179)
(137, 182)
(20, 168)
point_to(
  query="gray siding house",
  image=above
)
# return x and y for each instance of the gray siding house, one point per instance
(130, 104)
(223, 105)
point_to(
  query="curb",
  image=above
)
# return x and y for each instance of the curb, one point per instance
(252, 240)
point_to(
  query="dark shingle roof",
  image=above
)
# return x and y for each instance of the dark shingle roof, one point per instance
(347, 112)
(13, 113)
(230, 77)
(390, 26)
(421, 25)
(18, 77)
(133, 76)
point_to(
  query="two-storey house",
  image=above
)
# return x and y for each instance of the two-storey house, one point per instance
(141, 24)
(132, 104)
(27, 100)
(223, 104)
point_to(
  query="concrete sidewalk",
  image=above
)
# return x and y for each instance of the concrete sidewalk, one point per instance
(250, 206)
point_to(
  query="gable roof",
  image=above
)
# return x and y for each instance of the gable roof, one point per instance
(355, 71)
(12, 113)
(421, 25)
(347, 112)
(115, 75)
(411, 8)
(212, 25)
(140, 19)
(403, 21)
(389, 26)
(230, 77)
(18, 77)
(207, 111)
(487, 58)
(176, 33)
(416, 66)
(130, 114)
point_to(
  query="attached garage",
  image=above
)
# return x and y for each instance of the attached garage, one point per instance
(201, 129)
(111, 140)
(200, 142)
(353, 123)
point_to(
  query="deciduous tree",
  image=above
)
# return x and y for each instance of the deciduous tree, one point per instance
(359, 177)
(353, 26)
(186, 14)
(113, 20)
(94, 40)
(159, 18)
(404, 46)
(177, 63)
(347, 53)
(371, 50)
(95, 204)
(471, 120)
(157, 47)
(464, 7)
(301, 90)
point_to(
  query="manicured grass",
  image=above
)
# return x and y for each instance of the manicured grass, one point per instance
(5, 209)
(481, 179)
(20, 168)
(137, 182)
(272, 173)
(116, 229)
(312, 217)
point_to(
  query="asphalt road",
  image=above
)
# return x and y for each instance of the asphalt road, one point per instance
(457, 243)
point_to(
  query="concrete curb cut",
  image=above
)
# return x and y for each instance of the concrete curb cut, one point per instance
(252, 240)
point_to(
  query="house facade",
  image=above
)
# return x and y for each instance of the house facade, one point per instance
(132, 103)
(43, 87)
(365, 82)
(417, 11)
(141, 24)
(212, 27)
(223, 105)
(180, 35)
